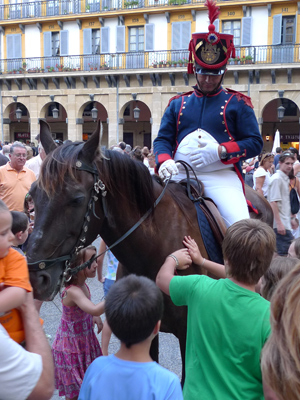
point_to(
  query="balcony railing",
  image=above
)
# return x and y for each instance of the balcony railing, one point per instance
(44, 9)
(143, 60)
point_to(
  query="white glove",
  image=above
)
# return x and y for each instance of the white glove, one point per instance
(167, 169)
(207, 154)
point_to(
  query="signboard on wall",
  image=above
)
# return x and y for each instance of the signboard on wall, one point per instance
(22, 135)
(289, 137)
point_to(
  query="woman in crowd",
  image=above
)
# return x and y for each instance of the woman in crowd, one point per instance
(261, 177)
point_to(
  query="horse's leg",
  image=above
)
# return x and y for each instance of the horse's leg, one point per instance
(154, 349)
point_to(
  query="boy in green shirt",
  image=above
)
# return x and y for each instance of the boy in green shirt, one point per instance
(228, 322)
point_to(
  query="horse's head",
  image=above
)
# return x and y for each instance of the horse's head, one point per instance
(63, 209)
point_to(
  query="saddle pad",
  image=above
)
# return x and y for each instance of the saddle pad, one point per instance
(212, 247)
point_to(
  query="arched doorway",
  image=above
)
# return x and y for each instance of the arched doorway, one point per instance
(90, 123)
(17, 117)
(56, 120)
(137, 131)
(288, 126)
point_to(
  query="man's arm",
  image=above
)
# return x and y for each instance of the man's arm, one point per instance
(36, 342)
(279, 224)
(180, 259)
(100, 260)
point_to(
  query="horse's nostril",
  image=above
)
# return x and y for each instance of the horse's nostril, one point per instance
(41, 283)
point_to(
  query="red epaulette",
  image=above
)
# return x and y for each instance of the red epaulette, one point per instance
(179, 95)
(241, 96)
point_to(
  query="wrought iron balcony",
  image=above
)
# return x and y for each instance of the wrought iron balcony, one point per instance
(258, 55)
(51, 8)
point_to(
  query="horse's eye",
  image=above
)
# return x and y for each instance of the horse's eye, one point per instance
(77, 201)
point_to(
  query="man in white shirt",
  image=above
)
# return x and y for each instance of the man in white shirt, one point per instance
(279, 198)
(26, 374)
(35, 163)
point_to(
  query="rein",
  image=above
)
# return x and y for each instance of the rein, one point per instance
(98, 188)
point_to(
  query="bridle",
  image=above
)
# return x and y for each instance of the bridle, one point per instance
(98, 189)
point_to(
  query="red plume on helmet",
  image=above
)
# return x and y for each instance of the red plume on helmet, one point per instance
(210, 50)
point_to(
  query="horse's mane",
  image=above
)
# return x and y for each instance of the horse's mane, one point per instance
(128, 182)
(57, 166)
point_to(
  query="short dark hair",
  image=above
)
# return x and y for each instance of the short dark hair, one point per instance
(19, 222)
(122, 145)
(248, 247)
(133, 307)
(286, 154)
(278, 150)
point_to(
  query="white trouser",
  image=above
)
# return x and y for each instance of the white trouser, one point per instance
(221, 182)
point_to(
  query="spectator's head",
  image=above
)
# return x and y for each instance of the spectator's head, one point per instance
(278, 150)
(20, 226)
(145, 151)
(127, 149)
(286, 162)
(6, 235)
(280, 356)
(122, 145)
(294, 249)
(83, 256)
(6, 150)
(29, 152)
(136, 154)
(294, 152)
(37, 138)
(134, 308)
(279, 268)
(17, 156)
(266, 160)
(248, 249)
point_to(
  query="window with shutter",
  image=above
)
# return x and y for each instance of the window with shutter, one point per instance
(120, 39)
(277, 26)
(246, 31)
(14, 51)
(149, 37)
(104, 35)
(64, 43)
(181, 36)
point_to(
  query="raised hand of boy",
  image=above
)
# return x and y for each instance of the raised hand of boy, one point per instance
(193, 249)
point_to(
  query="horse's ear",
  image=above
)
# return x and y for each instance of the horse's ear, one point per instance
(46, 137)
(92, 147)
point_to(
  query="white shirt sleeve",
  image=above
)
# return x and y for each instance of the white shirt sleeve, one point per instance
(20, 370)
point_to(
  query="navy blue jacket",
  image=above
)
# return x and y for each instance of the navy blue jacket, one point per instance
(226, 115)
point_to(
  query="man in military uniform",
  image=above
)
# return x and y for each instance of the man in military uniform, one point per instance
(211, 128)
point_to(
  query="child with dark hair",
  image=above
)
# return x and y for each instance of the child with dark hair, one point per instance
(14, 276)
(20, 227)
(134, 308)
(228, 323)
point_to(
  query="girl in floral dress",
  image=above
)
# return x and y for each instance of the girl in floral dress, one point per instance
(75, 345)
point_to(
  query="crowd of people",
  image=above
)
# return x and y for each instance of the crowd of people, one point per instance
(242, 322)
(276, 177)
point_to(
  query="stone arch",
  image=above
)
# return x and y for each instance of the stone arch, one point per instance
(15, 129)
(58, 126)
(88, 124)
(136, 132)
(288, 126)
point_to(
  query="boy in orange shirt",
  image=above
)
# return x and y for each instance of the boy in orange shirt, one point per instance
(14, 278)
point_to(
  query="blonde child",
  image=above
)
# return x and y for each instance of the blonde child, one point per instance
(14, 277)
(75, 345)
(280, 357)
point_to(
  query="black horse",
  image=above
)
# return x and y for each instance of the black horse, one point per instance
(82, 193)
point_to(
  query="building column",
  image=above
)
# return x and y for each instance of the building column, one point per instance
(74, 133)
(114, 131)
(32, 106)
(157, 115)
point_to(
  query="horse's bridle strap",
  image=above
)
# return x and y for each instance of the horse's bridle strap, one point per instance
(45, 264)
